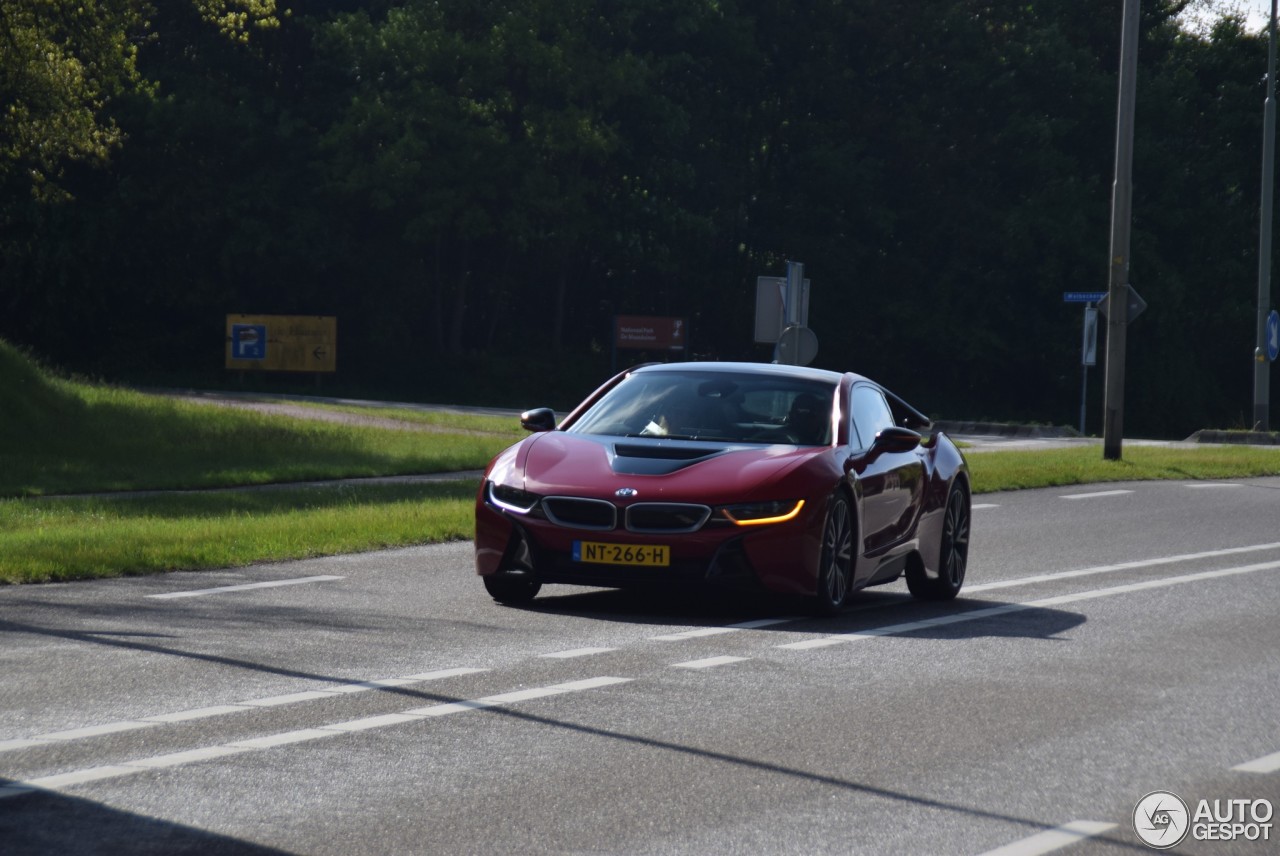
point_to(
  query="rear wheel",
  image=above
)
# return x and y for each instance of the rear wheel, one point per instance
(953, 553)
(835, 563)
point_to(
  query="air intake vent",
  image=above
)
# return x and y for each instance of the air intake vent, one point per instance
(574, 513)
(665, 453)
(666, 517)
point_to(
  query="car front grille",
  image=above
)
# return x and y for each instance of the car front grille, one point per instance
(642, 517)
(575, 513)
(656, 517)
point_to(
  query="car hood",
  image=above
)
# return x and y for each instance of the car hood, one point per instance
(659, 470)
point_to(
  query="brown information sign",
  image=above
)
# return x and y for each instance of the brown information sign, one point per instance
(282, 343)
(650, 332)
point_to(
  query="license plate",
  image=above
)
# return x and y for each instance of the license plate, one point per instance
(638, 555)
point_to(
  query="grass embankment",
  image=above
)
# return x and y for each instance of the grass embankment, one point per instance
(59, 436)
(995, 471)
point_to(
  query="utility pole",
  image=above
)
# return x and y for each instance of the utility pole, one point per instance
(1121, 221)
(1261, 363)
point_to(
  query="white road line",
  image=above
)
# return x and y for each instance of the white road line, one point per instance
(693, 634)
(1096, 494)
(708, 663)
(577, 652)
(1053, 839)
(1213, 484)
(980, 506)
(1122, 566)
(223, 709)
(286, 738)
(246, 587)
(1043, 603)
(717, 631)
(1265, 764)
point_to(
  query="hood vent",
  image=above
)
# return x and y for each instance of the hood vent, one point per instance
(664, 453)
(655, 459)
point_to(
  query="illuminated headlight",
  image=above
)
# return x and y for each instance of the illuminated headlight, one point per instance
(510, 498)
(761, 513)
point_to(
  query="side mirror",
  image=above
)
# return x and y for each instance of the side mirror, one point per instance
(895, 440)
(539, 420)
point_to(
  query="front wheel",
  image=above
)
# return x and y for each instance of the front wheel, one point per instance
(953, 553)
(513, 588)
(835, 563)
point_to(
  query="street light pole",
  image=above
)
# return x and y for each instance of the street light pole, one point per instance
(1261, 363)
(1121, 220)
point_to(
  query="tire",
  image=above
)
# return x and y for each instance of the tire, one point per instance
(512, 588)
(953, 552)
(835, 562)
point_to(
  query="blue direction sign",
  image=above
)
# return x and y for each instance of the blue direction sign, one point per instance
(249, 341)
(1273, 335)
(1082, 296)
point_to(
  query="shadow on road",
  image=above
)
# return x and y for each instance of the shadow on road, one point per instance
(44, 822)
(867, 612)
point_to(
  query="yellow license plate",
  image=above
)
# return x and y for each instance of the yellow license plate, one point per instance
(639, 555)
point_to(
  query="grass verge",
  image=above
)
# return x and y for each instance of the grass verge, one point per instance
(107, 439)
(57, 539)
(1017, 470)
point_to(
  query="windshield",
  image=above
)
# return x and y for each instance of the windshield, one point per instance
(718, 406)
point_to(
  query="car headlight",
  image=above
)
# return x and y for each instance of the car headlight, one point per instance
(761, 513)
(510, 498)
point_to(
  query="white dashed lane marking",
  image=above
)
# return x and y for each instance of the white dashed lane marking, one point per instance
(709, 662)
(1265, 764)
(1053, 839)
(577, 652)
(286, 738)
(223, 709)
(244, 587)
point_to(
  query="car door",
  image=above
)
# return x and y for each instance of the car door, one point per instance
(891, 482)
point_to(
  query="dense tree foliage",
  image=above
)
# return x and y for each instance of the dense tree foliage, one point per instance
(475, 188)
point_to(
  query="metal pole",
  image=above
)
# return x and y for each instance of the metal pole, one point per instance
(1121, 217)
(1084, 396)
(1261, 365)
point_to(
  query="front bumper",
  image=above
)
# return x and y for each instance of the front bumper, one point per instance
(780, 557)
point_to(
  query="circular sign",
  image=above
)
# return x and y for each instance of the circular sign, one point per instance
(1161, 820)
(797, 346)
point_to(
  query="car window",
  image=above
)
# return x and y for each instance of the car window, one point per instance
(719, 406)
(871, 414)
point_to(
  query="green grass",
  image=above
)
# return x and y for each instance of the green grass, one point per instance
(59, 436)
(1015, 470)
(48, 540)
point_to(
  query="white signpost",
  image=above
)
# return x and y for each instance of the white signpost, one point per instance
(1089, 340)
(782, 316)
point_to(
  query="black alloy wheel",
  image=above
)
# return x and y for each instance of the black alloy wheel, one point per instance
(953, 552)
(835, 563)
(512, 587)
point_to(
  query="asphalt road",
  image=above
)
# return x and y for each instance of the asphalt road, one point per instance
(1111, 642)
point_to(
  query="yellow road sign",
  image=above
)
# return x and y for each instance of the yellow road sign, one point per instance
(282, 343)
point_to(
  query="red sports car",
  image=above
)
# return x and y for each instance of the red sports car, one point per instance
(790, 479)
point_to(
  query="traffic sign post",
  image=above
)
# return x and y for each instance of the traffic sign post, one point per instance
(1088, 341)
(1273, 336)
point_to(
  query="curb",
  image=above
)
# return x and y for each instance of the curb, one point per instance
(1004, 429)
(1236, 438)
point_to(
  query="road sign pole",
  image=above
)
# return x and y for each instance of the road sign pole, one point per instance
(1088, 357)
(1121, 215)
(1261, 365)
